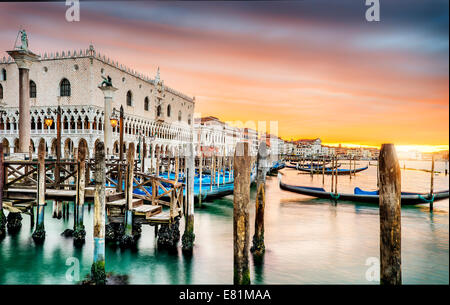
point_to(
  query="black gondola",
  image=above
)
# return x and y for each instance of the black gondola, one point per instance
(360, 195)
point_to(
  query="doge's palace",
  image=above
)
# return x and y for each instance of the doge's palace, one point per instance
(70, 79)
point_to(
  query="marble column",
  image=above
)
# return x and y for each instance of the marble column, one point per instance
(24, 59)
(108, 92)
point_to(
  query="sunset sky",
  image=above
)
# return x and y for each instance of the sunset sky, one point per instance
(317, 67)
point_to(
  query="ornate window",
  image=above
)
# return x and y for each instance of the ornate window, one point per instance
(64, 88)
(179, 116)
(158, 111)
(33, 90)
(169, 108)
(129, 98)
(189, 120)
(1, 91)
(146, 104)
(3, 75)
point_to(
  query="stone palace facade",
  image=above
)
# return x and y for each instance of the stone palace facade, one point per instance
(70, 79)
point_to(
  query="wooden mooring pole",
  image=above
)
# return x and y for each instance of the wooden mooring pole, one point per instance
(390, 216)
(127, 239)
(323, 170)
(242, 162)
(258, 247)
(432, 183)
(189, 236)
(39, 232)
(2, 215)
(200, 170)
(332, 174)
(79, 233)
(98, 274)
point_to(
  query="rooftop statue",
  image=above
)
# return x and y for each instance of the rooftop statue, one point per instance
(23, 40)
(107, 81)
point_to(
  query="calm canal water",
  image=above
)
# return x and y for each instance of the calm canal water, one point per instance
(308, 241)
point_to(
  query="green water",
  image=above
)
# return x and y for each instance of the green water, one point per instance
(308, 241)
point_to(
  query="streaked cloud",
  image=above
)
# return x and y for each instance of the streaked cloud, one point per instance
(316, 66)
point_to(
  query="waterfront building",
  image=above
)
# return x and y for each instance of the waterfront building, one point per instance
(161, 114)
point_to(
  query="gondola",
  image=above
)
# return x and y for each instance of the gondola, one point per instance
(359, 195)
(275, 168)
(329, 171)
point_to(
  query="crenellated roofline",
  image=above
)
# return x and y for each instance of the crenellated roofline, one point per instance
(92, 53)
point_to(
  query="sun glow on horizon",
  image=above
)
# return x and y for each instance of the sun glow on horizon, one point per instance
(399, 148)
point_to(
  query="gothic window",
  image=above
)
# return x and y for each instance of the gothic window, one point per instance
(169, 108)
(158, 111)
(129, 98)
(3, 75)
(1, 91)
(179, 116)
(189, 120)
(64, 88)
(32, 89)
(146, 103)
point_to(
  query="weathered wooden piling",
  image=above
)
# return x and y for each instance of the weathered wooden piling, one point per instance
(39, 232)
(336, 196)
(242, 161)
(332, 174)
(98, 274)
(127, 239)
(390, 216)
(258, 247)
(2, 215)
(189, 236)
(323, 170)
(212, 173)
(432, 183)
(79, 232)
(350, 167)
(200, 170)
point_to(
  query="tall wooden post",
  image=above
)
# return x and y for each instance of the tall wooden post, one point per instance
(212, 172)
(144, 152)
(119, 174)
(127, 239)
(200, 169)
(242, 161)
(57, 173)
(323, 170)
(432, 183)
(189, 236)
(2, 215)
(177, 167)
(332, 174)
(336, 180)
(158, 155)
(390, 216)
(98, 273)
(39, 233)
(258, 247)
(350, 167)
(79, 232)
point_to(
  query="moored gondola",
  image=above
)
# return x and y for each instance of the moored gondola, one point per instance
(359, 195)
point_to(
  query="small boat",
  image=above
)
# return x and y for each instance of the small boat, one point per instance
(359, 195)
(329, 171)
(275, 168)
